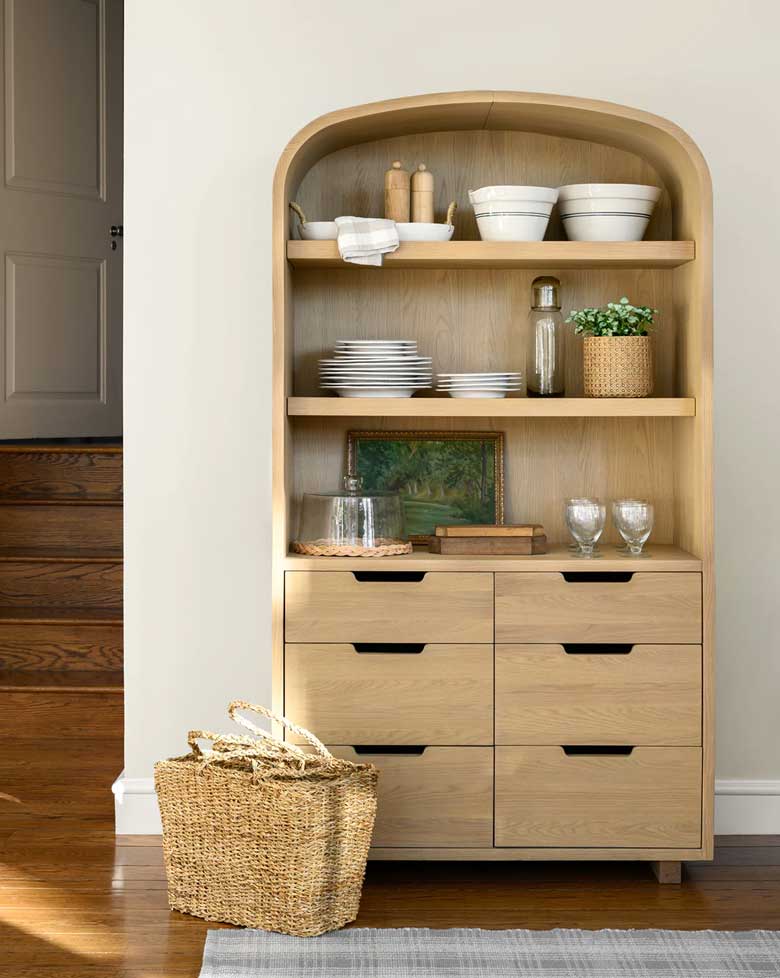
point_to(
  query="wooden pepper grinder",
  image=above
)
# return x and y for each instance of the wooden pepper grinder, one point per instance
(397, 193)
(422, 196)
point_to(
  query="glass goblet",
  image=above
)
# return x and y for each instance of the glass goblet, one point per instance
(585, 519)
(634, 520)
(623, 550)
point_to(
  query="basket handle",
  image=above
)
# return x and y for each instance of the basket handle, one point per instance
(309, 737)
(298, 210)
(195, 735)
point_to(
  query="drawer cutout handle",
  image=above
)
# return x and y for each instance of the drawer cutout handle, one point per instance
(574, 750)
(388, 648)
(390, 577)
(597, 577)
(415, 750)
(580, 648)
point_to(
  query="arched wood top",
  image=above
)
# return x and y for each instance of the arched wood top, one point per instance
(663, 144)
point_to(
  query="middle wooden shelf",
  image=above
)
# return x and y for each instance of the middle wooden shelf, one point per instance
(510, 407)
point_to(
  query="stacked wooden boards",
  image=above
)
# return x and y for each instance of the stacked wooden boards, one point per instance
(522, 539)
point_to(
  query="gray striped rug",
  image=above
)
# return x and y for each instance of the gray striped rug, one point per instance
(420, 953)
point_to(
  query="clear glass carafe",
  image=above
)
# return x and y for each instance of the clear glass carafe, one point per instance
(546, 352)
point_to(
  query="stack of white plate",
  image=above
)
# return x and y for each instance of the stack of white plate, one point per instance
(376, 368)
(480, 385)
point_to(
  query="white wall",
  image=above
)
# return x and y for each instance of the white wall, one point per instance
(213, 92)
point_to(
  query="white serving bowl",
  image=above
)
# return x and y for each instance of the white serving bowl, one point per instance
(319, 231)
(509, 213)
(607, 211)
(421, 231)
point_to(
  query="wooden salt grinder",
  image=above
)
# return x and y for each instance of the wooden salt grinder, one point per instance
(422, 196)
(397, 193)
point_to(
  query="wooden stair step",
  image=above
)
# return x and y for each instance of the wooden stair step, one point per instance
(33, 615)
(79, 681)
(59, 716)
(50, 584)
(62, 647)
(61, 472)
(42, 528)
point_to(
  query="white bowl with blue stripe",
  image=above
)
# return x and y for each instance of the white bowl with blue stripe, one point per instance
(513, 213)
(606, 211)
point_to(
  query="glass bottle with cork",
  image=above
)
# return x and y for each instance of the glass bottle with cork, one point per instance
(546, 350)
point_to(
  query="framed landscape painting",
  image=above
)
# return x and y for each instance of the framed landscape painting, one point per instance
(443, 478)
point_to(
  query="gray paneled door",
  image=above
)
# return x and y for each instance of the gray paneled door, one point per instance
(61, 281)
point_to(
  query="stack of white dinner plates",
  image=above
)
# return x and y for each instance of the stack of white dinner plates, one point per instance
(376, 368)
(480, 385)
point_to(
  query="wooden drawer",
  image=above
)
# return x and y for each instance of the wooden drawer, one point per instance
(418, 694)
(596, 607)
(334, 606)
(650, 798)
(551, 694)
(442, 797)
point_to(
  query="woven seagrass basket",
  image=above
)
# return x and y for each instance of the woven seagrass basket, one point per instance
(618, 366)
(259, 832)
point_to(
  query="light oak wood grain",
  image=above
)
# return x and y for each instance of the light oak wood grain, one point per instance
(443, 797)
(470, 316)
(350, 180)
(558, 558)
(441, 695)
(648, 608)
(501, 254)
(651, 797)
(335, 607)
(545, 462)
(466, 320)
(509, 407)
(651, 695)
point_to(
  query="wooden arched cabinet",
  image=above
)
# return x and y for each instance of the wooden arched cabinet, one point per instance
(535, 748)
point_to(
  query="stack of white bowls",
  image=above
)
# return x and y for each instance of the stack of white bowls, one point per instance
(606, 211)
(480, 385)
(376, 368)
(513, 213)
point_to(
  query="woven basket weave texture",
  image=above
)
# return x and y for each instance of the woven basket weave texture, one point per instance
(259, 833)
(618, 366)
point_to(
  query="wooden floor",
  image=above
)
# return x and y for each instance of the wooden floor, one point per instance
(75, 902)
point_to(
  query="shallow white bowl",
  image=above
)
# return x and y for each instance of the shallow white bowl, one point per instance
(319, 231)
(408, 231)
(607, 212)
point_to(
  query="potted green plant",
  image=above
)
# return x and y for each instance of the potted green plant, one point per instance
(617, 349)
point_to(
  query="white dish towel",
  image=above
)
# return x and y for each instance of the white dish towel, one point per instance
(363, 240)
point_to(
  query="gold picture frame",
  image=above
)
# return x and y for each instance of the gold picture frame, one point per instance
(446, 506)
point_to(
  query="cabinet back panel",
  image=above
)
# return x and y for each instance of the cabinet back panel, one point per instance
(545, 462)
(351, 181)
(468, 319)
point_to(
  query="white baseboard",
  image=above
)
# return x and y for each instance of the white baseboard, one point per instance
(747, 807)
(741, 807)
(135, 806)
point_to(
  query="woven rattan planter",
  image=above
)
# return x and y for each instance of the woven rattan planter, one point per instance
(618, 366)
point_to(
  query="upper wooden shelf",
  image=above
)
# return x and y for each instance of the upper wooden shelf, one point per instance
(501, 254)
(510, 407)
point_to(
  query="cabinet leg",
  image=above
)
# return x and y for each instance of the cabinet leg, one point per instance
(667, 871)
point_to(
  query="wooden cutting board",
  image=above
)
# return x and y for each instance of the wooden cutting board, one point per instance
(491, 530)
(518, 546)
